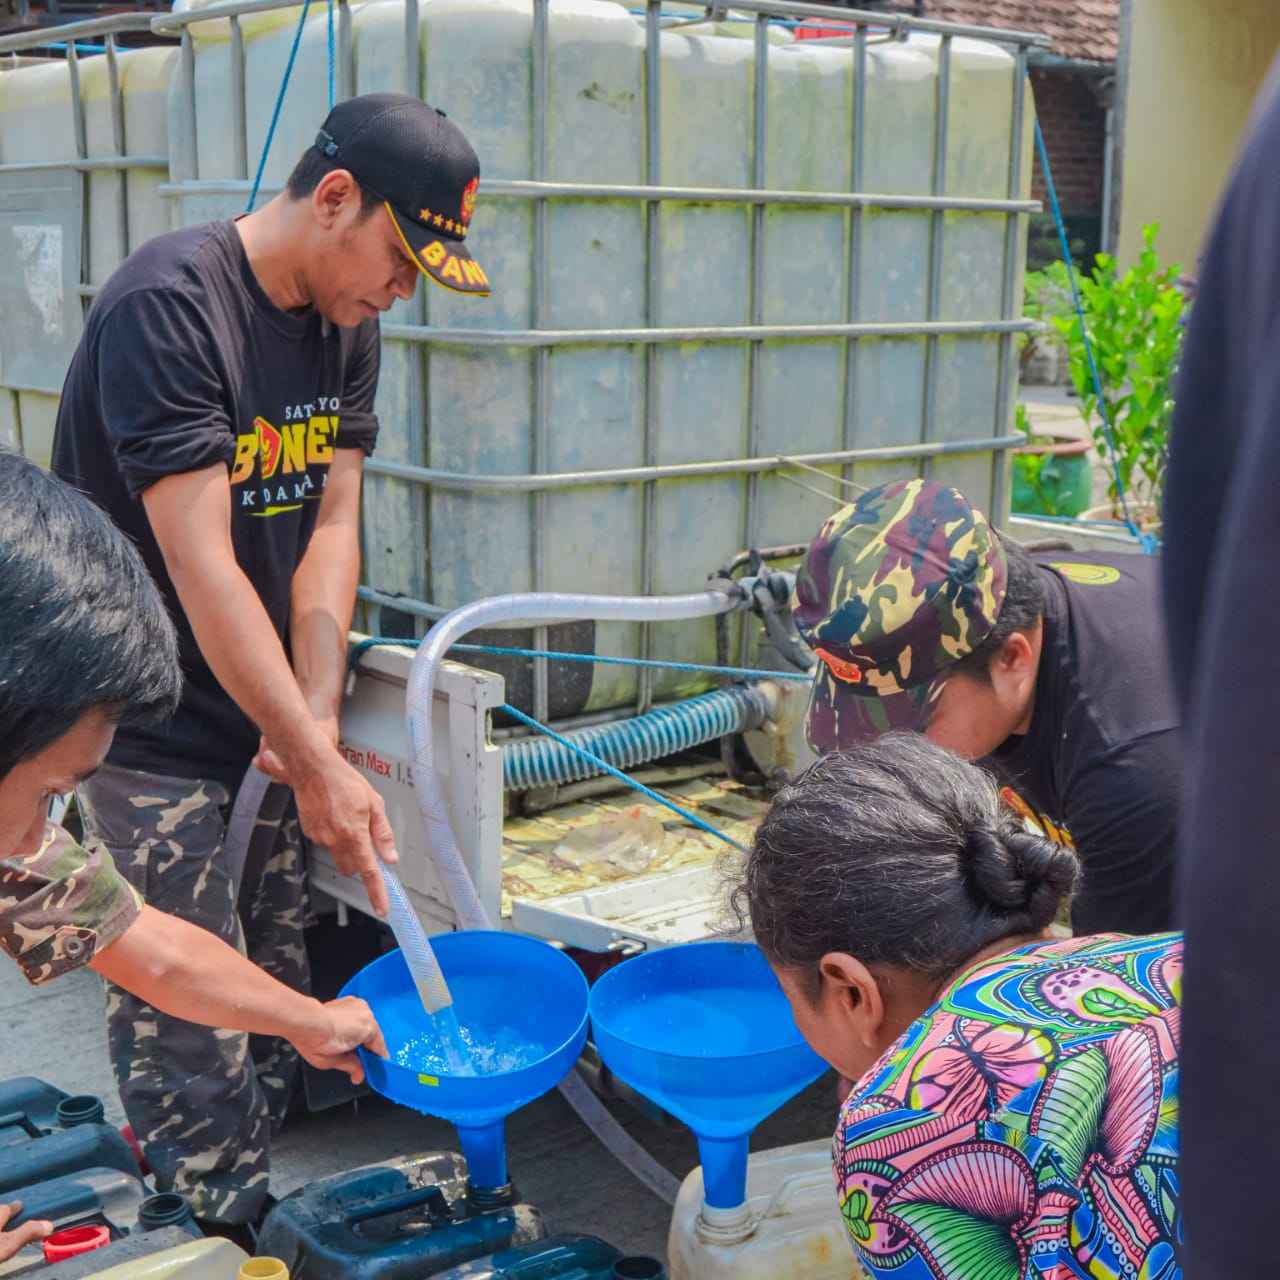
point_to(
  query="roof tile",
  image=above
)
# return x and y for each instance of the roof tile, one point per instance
(1086, 29)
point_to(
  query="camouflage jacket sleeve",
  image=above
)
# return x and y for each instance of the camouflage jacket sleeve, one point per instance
(60, 905)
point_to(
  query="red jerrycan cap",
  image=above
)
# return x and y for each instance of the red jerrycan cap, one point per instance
(74, 1241)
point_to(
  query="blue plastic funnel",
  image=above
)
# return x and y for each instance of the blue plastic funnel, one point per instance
(705, 1031)
(505, 987)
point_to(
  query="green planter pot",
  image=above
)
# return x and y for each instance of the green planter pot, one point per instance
(1065, 477)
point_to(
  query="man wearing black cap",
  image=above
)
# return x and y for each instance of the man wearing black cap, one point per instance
(219, 408)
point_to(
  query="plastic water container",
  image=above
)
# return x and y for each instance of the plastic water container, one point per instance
(559, 1257)
(46, 1133)
(160, 1255)
(407, 1217)
(64, 1151)
(25, 1104)
(795, 1228)
(109, 1200)
(91, 1196)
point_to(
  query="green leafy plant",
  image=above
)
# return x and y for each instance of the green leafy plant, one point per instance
(1046, 295)
(1135, 322)
(1040, 473)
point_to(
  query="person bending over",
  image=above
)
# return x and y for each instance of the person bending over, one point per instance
(1015, 1105)
(86, 644)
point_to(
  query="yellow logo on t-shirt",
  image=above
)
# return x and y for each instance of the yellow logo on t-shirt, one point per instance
(1037, 823)
(1088, 575)
(287, 455)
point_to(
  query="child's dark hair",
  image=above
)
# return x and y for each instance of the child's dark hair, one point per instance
(901, 854)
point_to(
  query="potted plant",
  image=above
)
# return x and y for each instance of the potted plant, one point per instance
(1051, 471)
(1135, 321)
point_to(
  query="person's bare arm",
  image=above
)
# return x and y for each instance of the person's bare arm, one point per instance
(187, 972)
(322, 602)
(190, 514)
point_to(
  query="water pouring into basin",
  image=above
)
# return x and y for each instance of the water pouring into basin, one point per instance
(705, 1031)
(522, 1012)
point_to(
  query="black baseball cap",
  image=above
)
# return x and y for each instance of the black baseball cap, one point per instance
(419, 163)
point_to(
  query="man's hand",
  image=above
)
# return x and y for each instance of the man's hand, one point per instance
(28, 1233)
(268, 759)
(340, 810)
(341, 1027)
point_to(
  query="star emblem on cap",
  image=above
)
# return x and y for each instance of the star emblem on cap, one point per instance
(448, 224)
(438, 219)
(424, 215)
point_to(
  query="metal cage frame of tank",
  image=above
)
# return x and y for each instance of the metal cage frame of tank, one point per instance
(538, 482)
(69, 35)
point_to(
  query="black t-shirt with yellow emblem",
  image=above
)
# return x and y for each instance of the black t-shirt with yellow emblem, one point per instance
(1099, 767)
(185, 362)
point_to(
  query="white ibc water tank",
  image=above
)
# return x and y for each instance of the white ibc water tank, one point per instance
(473, 407)
(37, 125)
(145, 76)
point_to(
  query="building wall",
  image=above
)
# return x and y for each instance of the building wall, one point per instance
(1193, 69)
(1075, 135)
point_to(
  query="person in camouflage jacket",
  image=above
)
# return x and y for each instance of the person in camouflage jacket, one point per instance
(85, 643)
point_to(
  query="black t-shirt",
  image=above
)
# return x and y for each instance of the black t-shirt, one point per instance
(185, 362)
(1099, 765)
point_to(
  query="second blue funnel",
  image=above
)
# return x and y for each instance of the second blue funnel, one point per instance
(705, 1031)
(505, 987)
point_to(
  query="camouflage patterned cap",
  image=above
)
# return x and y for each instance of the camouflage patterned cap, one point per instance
(894, 589)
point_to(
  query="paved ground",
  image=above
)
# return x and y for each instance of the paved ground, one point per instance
(57, 1033)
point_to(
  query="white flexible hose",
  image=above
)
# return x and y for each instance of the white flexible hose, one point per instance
(424, 968)
(421, 959)
(512, 611)
(244, 817)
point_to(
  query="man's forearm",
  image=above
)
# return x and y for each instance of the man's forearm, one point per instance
(187, 972)
(323, 597)
(191, 516)
(323, 601)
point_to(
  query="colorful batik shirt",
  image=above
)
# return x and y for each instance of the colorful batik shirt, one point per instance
(1027, 1124)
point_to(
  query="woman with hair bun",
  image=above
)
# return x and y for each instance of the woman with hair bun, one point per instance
(1015, 1105)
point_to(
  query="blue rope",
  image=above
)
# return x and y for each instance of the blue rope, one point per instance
(606, 767)
(275, 115)
(331, 57)
(748, 672)
(1149, 544)
(363, 646)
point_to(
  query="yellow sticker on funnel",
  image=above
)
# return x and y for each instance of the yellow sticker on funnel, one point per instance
(433, 1081)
